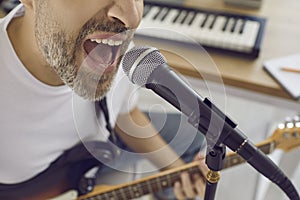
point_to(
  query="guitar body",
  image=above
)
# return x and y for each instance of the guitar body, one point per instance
(62, 175)
(51, 187)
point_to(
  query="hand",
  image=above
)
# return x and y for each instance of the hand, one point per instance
(188, 189)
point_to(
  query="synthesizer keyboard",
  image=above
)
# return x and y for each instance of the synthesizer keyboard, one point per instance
(215, 30)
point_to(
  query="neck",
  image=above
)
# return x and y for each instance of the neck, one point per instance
(22, 36)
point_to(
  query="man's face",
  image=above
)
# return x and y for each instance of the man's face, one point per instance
(84, 40)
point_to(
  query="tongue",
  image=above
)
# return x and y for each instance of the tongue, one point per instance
(101, 53)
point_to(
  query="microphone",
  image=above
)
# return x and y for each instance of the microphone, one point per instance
(146, 67)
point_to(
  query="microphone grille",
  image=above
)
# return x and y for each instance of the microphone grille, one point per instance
(140, 61)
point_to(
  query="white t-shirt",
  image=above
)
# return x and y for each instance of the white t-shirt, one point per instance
(38, 122)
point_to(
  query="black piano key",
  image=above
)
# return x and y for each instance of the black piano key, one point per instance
(181, 17)
(213, 22)
(165, 15)
(242, 27)
(184, 18)
(226, 24)
(162, 14)
(157, 14)
(230, 24)
(204, 21)
(192, 19)
(234, 25)
(176, 17)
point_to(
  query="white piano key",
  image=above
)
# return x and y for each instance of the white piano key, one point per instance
(251, 30)
(153, 11)
(189, 18)
(182, 15)
(159, 27)
(162, 13)
(227, 35)
(217, 31)
(238, 36)
(232, 39)
(147, 26)
(177, 32)
(146, 10)
(246, 41)
(239, 25)
(236, 41)
(169, 25)
(168, 22)
(184, 27)
(157, 22)
(206, 33)
(194, 29)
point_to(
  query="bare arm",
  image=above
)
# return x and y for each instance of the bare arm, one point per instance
(142, 137)
(138, 133)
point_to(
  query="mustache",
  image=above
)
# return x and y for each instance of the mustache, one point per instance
(101, 25)
(105, 26)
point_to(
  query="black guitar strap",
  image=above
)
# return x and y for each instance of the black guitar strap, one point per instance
(113, 136)
(86, 184)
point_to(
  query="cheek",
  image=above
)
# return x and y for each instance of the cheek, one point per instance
(73, 23)
(76, 13)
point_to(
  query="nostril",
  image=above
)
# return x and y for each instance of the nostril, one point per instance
(117, 20)
(127, 14)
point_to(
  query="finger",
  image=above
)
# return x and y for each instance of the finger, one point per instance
(187, 185)
(203, 168)
(199, 185)
(178, 191)
(199, 156)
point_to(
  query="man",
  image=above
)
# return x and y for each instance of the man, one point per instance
(52, 48)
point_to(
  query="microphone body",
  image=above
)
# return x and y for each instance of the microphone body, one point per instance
(201, 113)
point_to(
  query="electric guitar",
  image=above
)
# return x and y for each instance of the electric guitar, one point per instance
(285, 137)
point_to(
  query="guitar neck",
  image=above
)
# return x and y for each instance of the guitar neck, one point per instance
(233, 159)
(163, 180)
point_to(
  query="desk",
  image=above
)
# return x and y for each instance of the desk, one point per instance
(2, 14)
(280, 39)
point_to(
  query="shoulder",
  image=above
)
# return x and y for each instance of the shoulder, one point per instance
(17, 11)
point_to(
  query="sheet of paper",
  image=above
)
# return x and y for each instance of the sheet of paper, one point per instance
(289, 80)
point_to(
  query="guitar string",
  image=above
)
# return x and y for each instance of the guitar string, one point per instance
(169, 179)
(127, 191)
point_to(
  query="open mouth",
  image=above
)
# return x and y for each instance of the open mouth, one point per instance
(102, 53)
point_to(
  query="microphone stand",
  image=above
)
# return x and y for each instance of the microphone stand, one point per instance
(216, 126)
(215, 161)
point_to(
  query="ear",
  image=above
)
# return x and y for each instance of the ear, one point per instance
(27, 3)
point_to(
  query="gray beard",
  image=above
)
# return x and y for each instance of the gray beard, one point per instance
(92, 87)
(89, 85)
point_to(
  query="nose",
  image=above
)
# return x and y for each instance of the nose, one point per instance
(128, 12)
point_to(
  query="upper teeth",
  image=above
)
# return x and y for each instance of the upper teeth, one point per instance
(108, 42)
